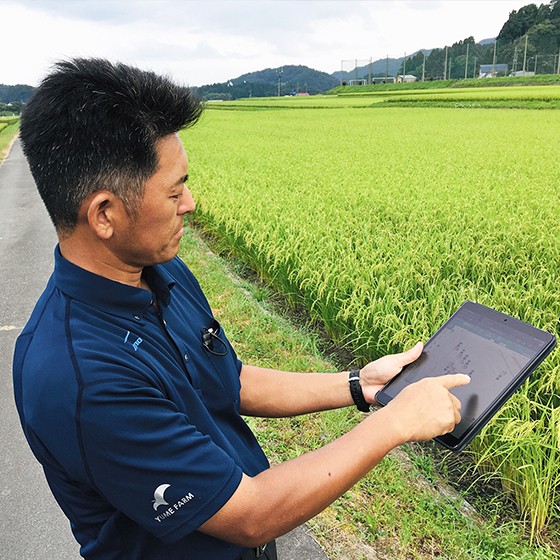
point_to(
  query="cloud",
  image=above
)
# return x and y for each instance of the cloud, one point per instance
(208, 41)
(95, 10)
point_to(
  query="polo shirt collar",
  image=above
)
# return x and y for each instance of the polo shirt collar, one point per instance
(108, 295)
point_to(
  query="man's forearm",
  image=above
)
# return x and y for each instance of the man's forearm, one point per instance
(283, 497)
(271, 393)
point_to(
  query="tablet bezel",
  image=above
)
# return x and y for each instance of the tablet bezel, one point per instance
(457, 444)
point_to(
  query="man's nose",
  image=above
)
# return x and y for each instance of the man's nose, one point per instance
(186, 203)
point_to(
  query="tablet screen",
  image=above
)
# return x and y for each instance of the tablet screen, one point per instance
(496, 351)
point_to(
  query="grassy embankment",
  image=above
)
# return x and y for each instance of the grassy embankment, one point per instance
(9, 127)
(531, 92)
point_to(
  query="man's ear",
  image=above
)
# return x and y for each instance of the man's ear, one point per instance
(102, 210)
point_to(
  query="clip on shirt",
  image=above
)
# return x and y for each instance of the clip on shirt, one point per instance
(209, 335)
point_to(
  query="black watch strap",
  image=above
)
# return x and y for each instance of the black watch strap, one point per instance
(356, 391)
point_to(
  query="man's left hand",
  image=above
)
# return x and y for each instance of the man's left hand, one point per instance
(374, 375)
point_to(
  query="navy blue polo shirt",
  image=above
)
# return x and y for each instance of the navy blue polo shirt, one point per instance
(135, 422)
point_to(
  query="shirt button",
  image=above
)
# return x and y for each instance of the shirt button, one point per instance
(186, 357)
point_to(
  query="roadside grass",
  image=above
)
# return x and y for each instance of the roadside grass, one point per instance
(9, 127)
(404, 509)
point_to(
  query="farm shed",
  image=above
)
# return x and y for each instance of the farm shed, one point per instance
(492, 70)
(402, 78)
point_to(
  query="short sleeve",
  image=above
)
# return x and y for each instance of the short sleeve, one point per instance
(149, 462)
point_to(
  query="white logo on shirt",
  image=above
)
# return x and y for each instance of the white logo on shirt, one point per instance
(159, 499)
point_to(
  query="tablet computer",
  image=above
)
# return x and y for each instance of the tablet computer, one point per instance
(497, 351)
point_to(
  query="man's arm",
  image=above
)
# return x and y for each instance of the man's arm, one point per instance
(271, 393)
(281, 498)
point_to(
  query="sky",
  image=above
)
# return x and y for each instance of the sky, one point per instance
(209, 41)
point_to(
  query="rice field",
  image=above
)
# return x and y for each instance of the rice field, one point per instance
(526, 94)
(383, 221)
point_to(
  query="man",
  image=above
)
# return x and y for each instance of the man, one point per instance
(129, 393)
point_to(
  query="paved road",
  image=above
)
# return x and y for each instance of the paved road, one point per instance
(31, 525)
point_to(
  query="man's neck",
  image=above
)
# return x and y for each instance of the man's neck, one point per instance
(95, 257)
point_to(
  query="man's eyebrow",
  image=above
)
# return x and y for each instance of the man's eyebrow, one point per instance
(181, 180)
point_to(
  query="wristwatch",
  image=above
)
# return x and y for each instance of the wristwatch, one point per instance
(356, 391)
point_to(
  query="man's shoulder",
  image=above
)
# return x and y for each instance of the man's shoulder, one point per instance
(41, 345)
(44, 306)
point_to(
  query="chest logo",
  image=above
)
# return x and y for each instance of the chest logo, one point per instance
(130, 339)
(159, 498)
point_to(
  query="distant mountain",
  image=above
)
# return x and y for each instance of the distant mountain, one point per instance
(289, 80)
(285, 80)
(294, 78)
(15, 94)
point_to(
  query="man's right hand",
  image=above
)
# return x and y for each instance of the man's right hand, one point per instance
(427, 408)
(281, 498)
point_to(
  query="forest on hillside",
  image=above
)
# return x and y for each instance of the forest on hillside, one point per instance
(529, 41)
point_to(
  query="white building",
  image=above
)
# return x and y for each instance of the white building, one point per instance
(492, 70)
(406, 78)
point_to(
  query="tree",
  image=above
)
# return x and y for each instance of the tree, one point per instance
(519, 23)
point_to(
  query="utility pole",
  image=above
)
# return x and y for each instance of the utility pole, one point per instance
(467, 62)
(536, 56)
(445, 66)
(370, 63)
(525, 55)
(474, 68)
(404, 68)
(558, 67)
(515, 60)
(424, 67)
(494, 59)
(279, 72)
(386, 68)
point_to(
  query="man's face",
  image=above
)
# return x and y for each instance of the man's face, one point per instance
(154, 236)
